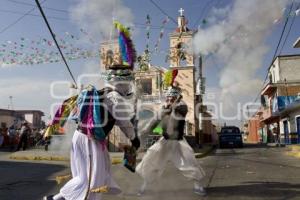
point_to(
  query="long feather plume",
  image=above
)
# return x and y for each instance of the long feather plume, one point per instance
(127, 49)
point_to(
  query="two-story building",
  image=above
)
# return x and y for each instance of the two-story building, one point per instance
(279, 115)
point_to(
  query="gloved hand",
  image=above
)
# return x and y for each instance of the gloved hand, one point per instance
(136, 143)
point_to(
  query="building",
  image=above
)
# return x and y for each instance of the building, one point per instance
(279, 114)
(254, 129)
(150, 90)
(15, 117)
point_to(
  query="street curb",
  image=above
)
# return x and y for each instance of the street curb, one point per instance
(49, 158)
(114, 160)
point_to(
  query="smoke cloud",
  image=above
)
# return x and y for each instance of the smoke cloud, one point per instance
(237, 39)
(96, 16)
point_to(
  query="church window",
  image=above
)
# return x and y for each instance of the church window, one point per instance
(146, 85)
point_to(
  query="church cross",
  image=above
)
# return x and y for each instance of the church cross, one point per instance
(181, 11)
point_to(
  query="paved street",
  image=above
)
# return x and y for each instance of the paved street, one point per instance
(249, 173)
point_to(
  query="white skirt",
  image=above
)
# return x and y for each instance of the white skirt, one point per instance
(76, 188)
(178, 152)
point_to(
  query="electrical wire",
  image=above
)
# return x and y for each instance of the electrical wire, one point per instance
(30, 4)
(203, 11)
(137, 25)
(33, 15)
(165, 13)
(288, 33)
(19, 19)
(275, 53)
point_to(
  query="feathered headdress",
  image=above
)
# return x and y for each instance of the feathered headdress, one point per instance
(127, 49)
(169, 81)
(170, 76)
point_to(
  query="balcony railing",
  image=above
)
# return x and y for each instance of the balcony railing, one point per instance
(266, 113)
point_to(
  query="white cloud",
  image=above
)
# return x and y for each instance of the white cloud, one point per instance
(96, 15)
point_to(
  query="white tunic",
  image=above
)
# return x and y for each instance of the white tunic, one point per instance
(82, 147)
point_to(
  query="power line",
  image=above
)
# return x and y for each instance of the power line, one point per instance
(138, 25)
(288, 33)
(33, 15)
(30, 4)
(202, 11)
(19, 19)
(159, 8)
(282, 33)
(56, 43)
(275, 53)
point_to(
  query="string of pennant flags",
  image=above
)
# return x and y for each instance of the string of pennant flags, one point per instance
(161, 33)
(26, 51)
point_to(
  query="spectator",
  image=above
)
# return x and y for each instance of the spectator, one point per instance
(12, 136)
(24, 133)
(1, 137)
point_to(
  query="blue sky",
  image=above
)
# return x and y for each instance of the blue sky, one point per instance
(29, 85)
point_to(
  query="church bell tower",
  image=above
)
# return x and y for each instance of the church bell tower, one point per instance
(182, 58)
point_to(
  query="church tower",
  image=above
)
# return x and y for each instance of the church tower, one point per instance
(110, 54)
(182, 58)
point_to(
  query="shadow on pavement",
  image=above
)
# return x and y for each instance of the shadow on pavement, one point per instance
(30, 181)
(262, 190)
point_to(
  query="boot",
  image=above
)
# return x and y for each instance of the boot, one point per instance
(199, 190)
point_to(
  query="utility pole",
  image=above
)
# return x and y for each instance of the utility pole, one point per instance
(11, 106)
(199, 105)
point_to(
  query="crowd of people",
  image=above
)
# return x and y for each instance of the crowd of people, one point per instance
(17, 138)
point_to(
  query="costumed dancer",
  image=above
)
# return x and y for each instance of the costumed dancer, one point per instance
(98, 112)
(172, 146)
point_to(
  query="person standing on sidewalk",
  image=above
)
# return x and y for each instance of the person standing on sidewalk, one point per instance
(12, 136)
(172, 146)
(24, 133)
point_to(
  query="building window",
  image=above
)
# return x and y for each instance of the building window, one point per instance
(146, 86)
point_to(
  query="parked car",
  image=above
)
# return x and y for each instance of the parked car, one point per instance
(230, 136)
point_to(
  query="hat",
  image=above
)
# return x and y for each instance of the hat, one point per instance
(123, 70)
(173, 92)
(119, 75)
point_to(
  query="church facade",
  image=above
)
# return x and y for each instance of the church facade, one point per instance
(149, 87)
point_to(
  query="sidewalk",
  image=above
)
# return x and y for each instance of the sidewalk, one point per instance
(116, 157)
(291, 149)
(294, 150)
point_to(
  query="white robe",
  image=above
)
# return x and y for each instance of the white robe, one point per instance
(82, 147)
(178, 152)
